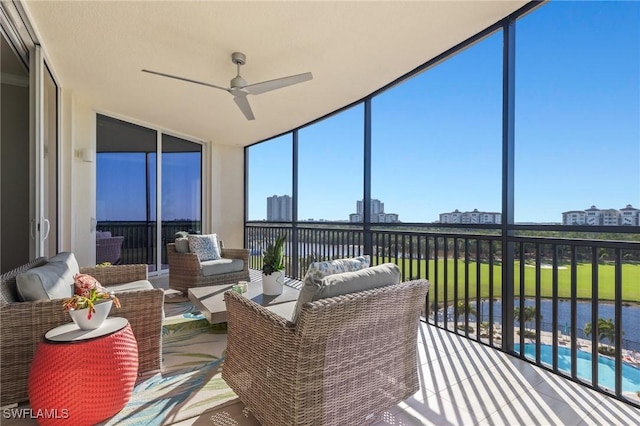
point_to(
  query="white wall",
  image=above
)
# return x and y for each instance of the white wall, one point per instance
(226, 197)
(82, 197)
(65, 170)
(223, 198)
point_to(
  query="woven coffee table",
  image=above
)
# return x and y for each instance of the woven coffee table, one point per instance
(83, 377)
(209, 300)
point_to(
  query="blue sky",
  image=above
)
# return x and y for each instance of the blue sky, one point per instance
(437, 137)
(121, 184)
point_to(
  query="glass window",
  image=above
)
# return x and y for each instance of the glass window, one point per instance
(577, 108)
(51, 161)
(270, 180)
(331, 167)
(181, 189)
(437, 140)
(126, 191)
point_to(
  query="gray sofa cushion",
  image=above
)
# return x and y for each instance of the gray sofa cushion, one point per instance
(348, 282)
(51, 281)
(353, 282)
(221, 266)
(69, 259)
(134, 285)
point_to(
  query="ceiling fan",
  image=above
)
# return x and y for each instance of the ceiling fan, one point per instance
(239, 87)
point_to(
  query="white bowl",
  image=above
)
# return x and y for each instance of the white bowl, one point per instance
(80, 316)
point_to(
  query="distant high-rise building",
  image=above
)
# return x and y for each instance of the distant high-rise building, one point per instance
(279, 208)
(473, 217)
(628, 216)
(377, 213)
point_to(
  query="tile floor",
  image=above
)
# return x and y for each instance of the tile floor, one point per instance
(467, 383)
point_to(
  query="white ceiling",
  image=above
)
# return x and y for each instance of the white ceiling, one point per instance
(97, 50)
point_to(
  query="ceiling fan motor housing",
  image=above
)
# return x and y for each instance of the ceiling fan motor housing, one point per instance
(238, 58)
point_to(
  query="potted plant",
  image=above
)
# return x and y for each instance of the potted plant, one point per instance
(91, 303)
(273, 267)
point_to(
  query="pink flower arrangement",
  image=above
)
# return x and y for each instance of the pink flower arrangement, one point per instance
(88, 292)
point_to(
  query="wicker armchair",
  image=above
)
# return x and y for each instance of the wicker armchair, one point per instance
(185, 271)
(346, 360)
(22, 324)
(109, 249)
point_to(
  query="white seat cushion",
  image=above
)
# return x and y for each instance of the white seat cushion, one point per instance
(221, 266)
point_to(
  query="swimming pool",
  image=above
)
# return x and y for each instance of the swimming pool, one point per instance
(606, 366)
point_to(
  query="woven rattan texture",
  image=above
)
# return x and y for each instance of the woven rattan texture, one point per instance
(185, 271)
(86, 382)
(347, 360)
(109, 249)
(22, 324)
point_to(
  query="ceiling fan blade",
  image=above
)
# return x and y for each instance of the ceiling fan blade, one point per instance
(186, 79)
(243, 104)
(266, 86)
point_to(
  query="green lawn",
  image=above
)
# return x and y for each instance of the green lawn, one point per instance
(606, 274)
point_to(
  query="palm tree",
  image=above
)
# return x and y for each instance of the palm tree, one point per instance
(466, 308)
(606, 331)
(529, 314)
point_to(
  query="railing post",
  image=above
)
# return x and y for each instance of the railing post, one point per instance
(508, 245)
(294, 208)
(366, 202)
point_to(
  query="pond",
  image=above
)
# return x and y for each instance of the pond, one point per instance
(630, 318)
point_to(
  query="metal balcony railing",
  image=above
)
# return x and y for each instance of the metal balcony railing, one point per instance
(547, 290)
(139, 245)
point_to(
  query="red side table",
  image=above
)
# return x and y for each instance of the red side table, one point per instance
(81, 377)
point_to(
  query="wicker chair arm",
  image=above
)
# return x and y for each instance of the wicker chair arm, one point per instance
(185, 263)
(255, 329)
(117, 274)
(22, 325)
(261, 351)
(140, 303)
(249, 312)
(48, 313)
(229, 253)
(144, 310)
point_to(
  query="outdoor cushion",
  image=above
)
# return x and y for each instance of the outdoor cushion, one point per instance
(181, 234)
(204, 246)
(134, 285)
(51, 281)
(182, 245)
(319, 270)
(221, 266)
(353, 282)
(103, 234)
(69, 259)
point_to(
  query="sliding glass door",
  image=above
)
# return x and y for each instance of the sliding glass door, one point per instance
(28, 147)
(14, 160)
(181, 189)
(134, 224)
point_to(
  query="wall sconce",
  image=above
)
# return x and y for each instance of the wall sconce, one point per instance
(86, 155)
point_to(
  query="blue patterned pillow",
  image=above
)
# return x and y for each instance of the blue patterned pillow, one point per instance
(205, 246)
(318, 270)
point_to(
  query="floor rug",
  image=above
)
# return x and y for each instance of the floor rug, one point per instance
(191, 379)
